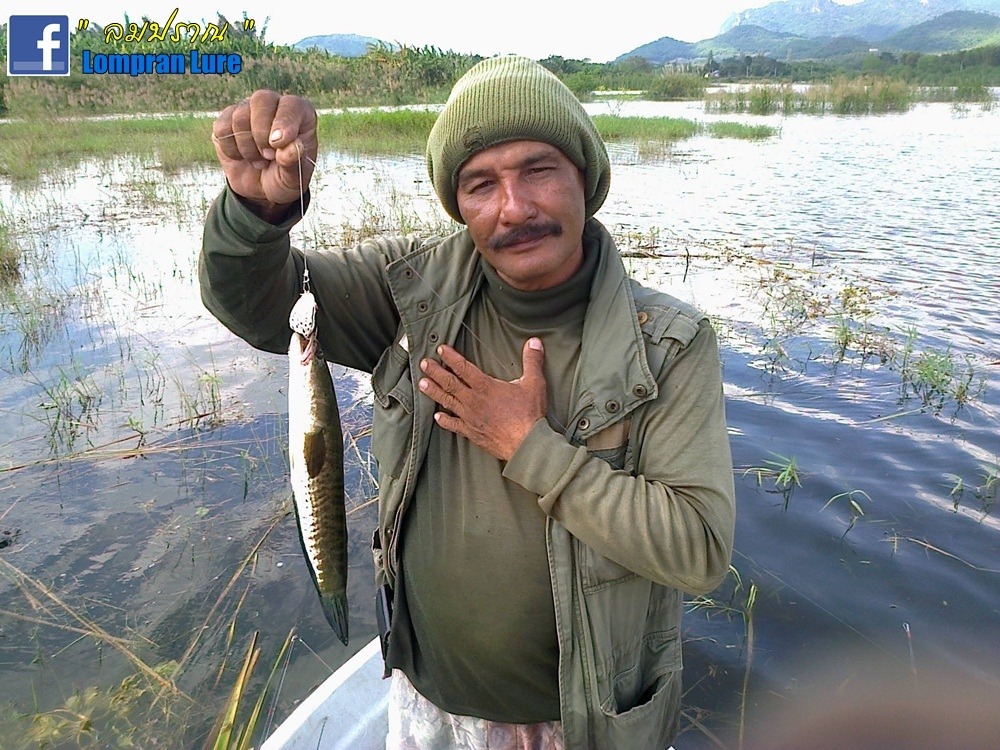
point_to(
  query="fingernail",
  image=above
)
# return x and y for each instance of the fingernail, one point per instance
(423, 364)
(422, 385)
(535, 344)
(275, 135)
(267, 153)
(259, 164)
(440, 351)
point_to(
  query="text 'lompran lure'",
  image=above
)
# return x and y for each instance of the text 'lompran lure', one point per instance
(135, 64)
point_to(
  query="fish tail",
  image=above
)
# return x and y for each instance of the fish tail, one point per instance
(335, 610)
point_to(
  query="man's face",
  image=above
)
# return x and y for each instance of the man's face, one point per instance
(524, 205)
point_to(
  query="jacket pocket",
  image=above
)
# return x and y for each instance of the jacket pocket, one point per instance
(642, 706)
(600, 572)
(392, 415)
(651, 724)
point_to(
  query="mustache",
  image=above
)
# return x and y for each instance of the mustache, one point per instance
(525, 233)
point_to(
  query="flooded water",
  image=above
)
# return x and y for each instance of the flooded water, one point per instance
(850, 265)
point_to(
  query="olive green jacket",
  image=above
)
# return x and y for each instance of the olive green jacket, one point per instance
(637, 490)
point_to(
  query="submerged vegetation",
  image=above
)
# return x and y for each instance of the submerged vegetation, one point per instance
(10, 251)
(796, 307)
(983, 490)
(783, 470)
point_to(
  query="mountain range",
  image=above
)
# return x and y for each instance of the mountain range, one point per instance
(345, 45)
(801, 30)
(949, 32)
(873, 20)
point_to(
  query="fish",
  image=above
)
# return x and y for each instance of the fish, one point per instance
(316, 460)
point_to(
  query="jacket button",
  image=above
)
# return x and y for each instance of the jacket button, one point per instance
(422, 307)
(640, 391)
(612, 406)
(642, 317)
(432, 337)
(583, 424)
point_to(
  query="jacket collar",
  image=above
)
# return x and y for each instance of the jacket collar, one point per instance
(615, 376)
(442, 277)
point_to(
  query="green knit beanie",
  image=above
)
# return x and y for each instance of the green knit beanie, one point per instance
(512, 99)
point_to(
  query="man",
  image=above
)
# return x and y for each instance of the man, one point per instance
(553, 459)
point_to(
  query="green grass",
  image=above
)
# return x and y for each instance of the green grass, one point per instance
(650, 131)
(10, 251)
(739, 130)
(784, 472)
(674, 86)
(29, 147)
(32, 146)
(860, 96)
(985, 493)
(613, 128)
(377, 132)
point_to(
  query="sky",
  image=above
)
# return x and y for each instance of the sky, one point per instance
(535, 28)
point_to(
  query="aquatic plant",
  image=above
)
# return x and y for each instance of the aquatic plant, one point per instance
(797, 306)
(741, 603)
(171, 143)
(200, 406)
(146, 708)
(934, 376)
(856, 510)
(784, 472)
(613, 128)
(985, 493)
(226, 735)
(115, 717)
(31, 146)
(674, 86)
(740, 130)
(10, 250)
(70, 407)
(843, 96)
(853, 329)
(402, 131)
(762, 100)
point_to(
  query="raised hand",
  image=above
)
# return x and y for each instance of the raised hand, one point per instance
(267, 147)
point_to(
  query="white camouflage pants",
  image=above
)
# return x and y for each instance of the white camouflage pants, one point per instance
(417, 724)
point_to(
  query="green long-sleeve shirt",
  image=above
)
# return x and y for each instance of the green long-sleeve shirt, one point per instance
(474, 624)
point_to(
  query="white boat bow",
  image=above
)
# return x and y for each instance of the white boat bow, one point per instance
(346, 712)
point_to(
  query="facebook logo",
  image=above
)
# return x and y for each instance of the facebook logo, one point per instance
(38, 46)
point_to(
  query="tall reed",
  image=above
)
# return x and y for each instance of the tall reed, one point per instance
(843, 96)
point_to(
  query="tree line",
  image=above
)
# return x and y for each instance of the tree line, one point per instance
(403, 74)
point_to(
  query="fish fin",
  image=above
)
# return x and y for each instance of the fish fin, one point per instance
(315, 451)
(335, 610)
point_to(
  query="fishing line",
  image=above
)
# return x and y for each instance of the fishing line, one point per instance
(302, 212)
(430, 287)
(318, 657)
(277, 691)
(818, 606)
(305, 261)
